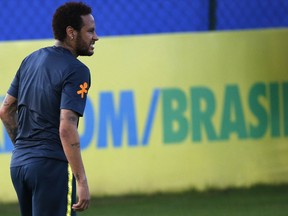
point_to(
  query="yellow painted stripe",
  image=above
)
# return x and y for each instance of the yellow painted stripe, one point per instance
(69, 195)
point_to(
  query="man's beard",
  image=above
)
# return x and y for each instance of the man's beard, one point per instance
(81, 48)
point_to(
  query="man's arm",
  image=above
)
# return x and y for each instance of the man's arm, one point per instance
(8, 115)
(71, 145)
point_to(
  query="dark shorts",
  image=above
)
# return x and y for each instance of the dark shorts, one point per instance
(45, 188)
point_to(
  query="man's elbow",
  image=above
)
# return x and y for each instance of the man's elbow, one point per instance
(2, 113)
(64, 132)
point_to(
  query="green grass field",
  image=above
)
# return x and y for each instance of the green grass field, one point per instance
(255, 201)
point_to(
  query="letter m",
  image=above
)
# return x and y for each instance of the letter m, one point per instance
(109, 118)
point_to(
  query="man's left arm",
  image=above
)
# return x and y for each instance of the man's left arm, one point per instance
(8, 115)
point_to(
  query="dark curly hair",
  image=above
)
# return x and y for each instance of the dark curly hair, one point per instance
(66, 15)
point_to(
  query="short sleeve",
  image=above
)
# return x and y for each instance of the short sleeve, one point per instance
(75, 89)
(13, 89)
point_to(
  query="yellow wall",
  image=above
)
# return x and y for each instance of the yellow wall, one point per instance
(219, 117)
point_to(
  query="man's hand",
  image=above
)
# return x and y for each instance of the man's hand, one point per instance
(83, 197)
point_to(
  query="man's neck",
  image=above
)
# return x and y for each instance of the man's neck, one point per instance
(66, 45)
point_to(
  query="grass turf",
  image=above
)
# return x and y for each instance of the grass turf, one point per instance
(255, 201)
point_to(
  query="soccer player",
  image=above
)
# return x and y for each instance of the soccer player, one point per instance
(41, 112)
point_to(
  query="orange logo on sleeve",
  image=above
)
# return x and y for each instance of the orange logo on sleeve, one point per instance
(83, 89)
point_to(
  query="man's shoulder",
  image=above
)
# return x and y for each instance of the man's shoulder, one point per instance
(38, 53)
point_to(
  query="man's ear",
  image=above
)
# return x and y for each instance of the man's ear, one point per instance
(70, 32)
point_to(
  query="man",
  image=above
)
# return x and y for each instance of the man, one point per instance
(41, 112)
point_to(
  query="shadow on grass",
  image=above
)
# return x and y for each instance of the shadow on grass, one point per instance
(260, 200)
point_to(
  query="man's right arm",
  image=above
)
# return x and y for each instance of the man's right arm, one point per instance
(8, 115)
(71, 144)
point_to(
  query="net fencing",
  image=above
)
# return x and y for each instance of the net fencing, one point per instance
(31, 19)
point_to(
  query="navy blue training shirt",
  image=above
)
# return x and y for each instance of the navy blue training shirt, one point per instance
(48, 80)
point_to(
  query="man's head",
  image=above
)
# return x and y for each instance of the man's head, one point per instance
(74, 26)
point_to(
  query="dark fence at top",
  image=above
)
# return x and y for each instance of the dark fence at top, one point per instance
(31, 19)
